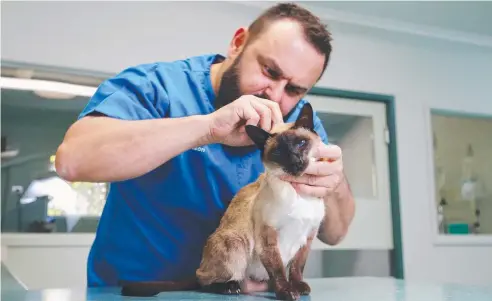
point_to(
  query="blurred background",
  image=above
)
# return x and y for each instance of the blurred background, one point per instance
(406, 95)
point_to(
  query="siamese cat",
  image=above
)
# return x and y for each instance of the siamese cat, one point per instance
(267, 230)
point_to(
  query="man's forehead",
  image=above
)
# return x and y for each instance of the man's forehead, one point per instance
(283, 44)
(300, 68)
(280, 68)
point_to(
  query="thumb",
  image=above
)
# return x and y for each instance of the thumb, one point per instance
(330, 152)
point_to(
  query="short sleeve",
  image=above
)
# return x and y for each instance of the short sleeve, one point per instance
(318, 127)
(134, 94)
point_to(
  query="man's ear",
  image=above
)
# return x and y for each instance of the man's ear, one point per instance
(305, 118)
(258, 135)
(238, 41)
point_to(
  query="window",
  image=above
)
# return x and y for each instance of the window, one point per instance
(461, 148)
(36, 113)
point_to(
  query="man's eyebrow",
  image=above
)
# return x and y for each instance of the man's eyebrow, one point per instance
(273, 65)
(298, 88)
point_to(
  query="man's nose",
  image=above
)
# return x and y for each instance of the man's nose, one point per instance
(276, 91)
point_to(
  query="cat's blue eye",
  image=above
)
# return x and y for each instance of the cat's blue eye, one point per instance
(301, 143)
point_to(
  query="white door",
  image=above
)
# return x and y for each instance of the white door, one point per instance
(360, 129)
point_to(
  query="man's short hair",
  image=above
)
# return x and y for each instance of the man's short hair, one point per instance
(315, 31)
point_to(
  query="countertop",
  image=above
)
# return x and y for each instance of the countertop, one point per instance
(325, 289)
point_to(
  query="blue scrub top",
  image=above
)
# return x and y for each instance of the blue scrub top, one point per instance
(154, 227)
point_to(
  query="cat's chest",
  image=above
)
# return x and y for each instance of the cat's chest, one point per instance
(293, 212)
(294, 218)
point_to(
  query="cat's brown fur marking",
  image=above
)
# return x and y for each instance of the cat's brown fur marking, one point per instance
(297, 267)
(228, 249)
(271, 259)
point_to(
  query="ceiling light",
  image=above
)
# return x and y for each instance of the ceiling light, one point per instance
(44, 87)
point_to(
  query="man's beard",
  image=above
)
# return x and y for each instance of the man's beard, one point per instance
(229, 89)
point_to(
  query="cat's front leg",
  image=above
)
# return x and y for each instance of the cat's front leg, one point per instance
(297, 265)
(272, 261)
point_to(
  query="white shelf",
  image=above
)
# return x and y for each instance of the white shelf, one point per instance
(10, 153)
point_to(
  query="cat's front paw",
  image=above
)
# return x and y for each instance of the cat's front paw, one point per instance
(302, 287)
(288, 293)
(232, 288)
(224, 288)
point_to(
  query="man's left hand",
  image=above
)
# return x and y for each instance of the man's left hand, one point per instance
(320, 177)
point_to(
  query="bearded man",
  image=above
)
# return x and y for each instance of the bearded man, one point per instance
(169, 138)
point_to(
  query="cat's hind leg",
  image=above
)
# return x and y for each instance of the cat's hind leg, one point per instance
(224, 262)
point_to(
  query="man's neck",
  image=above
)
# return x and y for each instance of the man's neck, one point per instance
(216, 75)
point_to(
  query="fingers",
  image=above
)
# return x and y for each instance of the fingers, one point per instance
(249, 114)
(331, 163)
(275, 109)
(269, 112)
(265, 115)
(329, 182)
(329, 151)
(316, 191)
(323, 168)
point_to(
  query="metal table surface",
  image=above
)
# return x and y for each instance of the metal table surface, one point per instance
(325, 289)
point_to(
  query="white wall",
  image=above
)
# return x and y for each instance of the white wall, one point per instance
(419, 72)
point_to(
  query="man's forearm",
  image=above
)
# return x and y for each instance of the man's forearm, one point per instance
(340, 209)
(103, 149)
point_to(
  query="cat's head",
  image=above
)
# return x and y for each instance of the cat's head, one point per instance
(288, 147)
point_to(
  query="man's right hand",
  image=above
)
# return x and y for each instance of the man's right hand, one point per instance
(227, 125)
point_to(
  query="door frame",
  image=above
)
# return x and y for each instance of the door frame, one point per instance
(396, 255)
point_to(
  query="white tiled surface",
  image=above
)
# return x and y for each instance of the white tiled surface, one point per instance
(332, 289)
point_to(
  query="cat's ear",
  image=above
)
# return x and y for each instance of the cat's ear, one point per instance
(305, 118)
(258, 135)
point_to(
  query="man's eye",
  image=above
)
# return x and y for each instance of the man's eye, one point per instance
(271, 72)
(291, 90)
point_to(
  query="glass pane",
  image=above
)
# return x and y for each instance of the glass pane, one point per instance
(355, 135)
(463, 173)
(34, 198)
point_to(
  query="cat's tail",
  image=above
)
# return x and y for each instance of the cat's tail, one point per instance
(152, 288)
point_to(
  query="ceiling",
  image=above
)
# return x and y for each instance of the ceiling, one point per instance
(473, 17)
